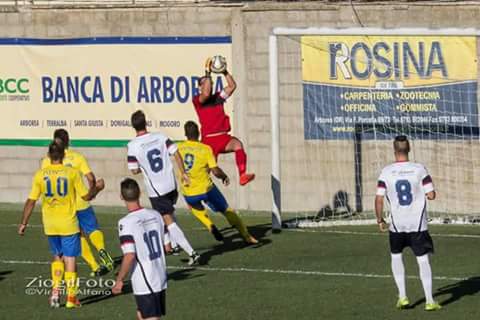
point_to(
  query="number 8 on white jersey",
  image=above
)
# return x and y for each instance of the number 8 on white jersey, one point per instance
(405, 184)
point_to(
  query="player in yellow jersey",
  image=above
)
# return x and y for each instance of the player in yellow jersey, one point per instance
(199, 161)
(86, 216)
(58, 187)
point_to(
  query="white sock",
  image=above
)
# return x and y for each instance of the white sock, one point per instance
(426, 277)
(398, 271)
(176, 235)
(173, 243)
(170, 239)
(166, 238)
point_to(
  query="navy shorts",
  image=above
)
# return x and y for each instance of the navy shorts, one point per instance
(165, 204)
(87, 220)
(213, 198)
(420, 242)
(151, 305)
(68, 246)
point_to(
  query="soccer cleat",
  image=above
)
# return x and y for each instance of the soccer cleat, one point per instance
(246, 178)
(403, 303)
(432, 306)
(107, 260)
(73, 302)
(216, 233)
(194, 259)
(54, 299)
(101, 271)
(176, 250)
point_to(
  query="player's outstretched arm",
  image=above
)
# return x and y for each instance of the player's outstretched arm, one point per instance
(27, 212)
(206, 86)
(127, 263)
(231, 84)
(220, 174)
(379, 213)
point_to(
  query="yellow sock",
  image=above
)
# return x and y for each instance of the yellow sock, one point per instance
(87, 254)
(202, 215)
(97, 239)
(236, 222)
(58, 269)
(71, 281)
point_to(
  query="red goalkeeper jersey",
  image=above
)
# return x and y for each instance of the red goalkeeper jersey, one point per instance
(211, 114)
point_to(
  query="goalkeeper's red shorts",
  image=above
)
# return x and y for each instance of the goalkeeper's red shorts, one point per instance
(217, 143)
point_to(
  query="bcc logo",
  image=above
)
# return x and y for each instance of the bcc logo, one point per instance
(12, 85)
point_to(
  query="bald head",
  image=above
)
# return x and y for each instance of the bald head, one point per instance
(401, 145)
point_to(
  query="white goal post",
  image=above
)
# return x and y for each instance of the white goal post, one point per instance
(470, 141)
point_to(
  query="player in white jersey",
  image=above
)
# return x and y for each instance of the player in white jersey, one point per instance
(407, 186)
(141, 234)
(149, 153)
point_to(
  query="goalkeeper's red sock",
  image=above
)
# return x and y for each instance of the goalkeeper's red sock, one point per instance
(241, 159)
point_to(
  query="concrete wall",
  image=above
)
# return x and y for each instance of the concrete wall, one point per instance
(330, 166)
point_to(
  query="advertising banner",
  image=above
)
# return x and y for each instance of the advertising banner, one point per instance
(379, 86)
(91, 86)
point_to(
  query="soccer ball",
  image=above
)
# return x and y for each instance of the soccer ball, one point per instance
(219, 64)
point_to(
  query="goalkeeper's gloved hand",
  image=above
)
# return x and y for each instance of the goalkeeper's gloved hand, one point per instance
(208, 66)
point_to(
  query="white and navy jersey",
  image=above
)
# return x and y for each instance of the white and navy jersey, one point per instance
(151, 153)
(142, 232)
(405, 185)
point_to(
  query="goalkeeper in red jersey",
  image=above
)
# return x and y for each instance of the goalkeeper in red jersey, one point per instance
(215, 124)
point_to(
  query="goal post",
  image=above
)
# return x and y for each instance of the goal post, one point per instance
(324, 173)
(275, 127)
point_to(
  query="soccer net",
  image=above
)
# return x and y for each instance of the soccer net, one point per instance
(342, 98)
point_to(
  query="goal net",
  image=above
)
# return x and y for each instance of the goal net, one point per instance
(342, 98)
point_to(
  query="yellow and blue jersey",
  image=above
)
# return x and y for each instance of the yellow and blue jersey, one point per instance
(58, 186)
(198, 159)
(77, 161)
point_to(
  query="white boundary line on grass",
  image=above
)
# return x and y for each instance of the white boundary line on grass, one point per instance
(273, 271)
(36, 226)
(443, 235)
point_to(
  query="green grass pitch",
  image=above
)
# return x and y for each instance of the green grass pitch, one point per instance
(328, 273)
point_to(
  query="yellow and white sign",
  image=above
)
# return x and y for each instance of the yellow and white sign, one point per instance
(91, 86)
(362, 61)
(425, 86)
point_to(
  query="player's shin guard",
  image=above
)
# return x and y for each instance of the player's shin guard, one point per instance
(241, 160)
(176, 234)
(97, 239)
(87, 254)
(426, 277)
(236, 222)
(71, 282)
(57, 268)
(203, 217)
(398, 271)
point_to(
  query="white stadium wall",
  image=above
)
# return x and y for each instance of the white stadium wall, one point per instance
(249, 25)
